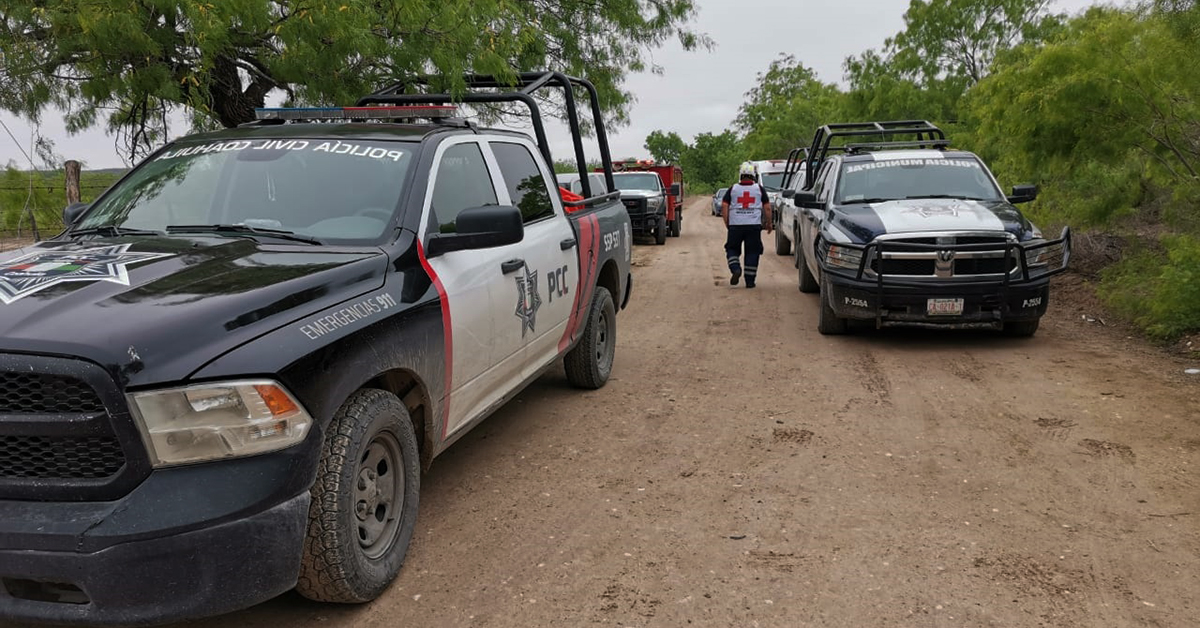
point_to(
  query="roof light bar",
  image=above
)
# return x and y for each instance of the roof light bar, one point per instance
(409, 112)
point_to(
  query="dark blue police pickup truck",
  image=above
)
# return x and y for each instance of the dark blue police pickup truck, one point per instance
(225, 378)
(895, 228)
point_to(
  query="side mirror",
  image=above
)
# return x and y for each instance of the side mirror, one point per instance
(1023, 194)
(789, 193)
(72, 213)
(480, 228)
(806, 199)
(675, 189)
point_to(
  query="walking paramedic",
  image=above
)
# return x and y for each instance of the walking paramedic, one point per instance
(745, 209)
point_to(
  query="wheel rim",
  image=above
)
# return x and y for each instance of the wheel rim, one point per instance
(604, 341)
(379, 495)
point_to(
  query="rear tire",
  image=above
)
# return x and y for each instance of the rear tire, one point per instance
(828, 322)
(364, 501)
(660, 232)
(590, 363)
(783, 246)
(1021, 329)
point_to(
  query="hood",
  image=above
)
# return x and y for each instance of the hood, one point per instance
(638, 194)
(867, 222)
(155, 309)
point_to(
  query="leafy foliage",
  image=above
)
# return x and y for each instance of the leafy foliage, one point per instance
(786, 104)
(665, 147)
(128, 64)
(1159, 294)
(712, 160)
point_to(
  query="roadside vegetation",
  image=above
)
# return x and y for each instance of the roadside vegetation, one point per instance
(1101, 110)
(45, 193)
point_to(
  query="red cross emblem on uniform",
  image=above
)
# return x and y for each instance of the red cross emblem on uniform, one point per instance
(745, 199)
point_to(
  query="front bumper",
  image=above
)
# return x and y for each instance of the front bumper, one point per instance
(983, 305)
(189, 542)
(645, 223)
(1003, 281)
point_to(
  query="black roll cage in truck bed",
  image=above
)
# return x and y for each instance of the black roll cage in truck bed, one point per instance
(527, 84)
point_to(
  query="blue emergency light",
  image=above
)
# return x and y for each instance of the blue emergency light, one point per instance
(409, 112)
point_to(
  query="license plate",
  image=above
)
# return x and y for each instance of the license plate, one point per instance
(945, 307)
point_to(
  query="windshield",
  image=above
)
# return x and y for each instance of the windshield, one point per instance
(323, 189)
(772, 180)
(898, 179)
(647, 181)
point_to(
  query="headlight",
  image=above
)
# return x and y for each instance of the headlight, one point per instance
(221, 420)
(1043, 256)
(654, 202)
(843, 257)
(1037, 257)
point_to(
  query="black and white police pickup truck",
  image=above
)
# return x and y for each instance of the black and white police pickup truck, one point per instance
(908, 231)
(225, 378)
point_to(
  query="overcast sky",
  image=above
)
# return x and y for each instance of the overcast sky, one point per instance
(698, 91)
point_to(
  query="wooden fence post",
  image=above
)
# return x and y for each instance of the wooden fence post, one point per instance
(72, 168)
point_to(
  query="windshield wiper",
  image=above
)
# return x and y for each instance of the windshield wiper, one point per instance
(958, 197)
(865, 201)
(240, 229)
(113, 231)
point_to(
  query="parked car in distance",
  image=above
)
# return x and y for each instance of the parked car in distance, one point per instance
(716, 201)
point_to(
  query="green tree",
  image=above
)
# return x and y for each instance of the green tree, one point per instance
(134, 62)
(946, 47)
(1115, 88)
(787, 103)
(665, 147)
(712, 160)
(959, 39)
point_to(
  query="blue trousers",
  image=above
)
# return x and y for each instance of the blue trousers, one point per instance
(750, 237)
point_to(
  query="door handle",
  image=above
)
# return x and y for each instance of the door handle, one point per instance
(567, 244)
(512, 265)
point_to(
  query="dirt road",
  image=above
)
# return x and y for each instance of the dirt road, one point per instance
(741, 469)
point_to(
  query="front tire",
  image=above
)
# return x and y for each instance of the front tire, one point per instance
(783, 246)
(364, 501)
(808, 283)
(828, 322)
(590, 363)
(660, 232)
(677, 224)
(1022, 329)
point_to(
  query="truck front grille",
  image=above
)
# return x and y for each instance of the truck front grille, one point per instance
(893, 257)
(984, 266)
(40, 393)
(912, 267)
(45, 458)
(65, 432)
(634, 206)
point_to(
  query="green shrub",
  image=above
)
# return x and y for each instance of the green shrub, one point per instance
(1161, 293)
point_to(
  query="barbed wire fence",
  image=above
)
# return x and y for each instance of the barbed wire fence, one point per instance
(33, 222)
